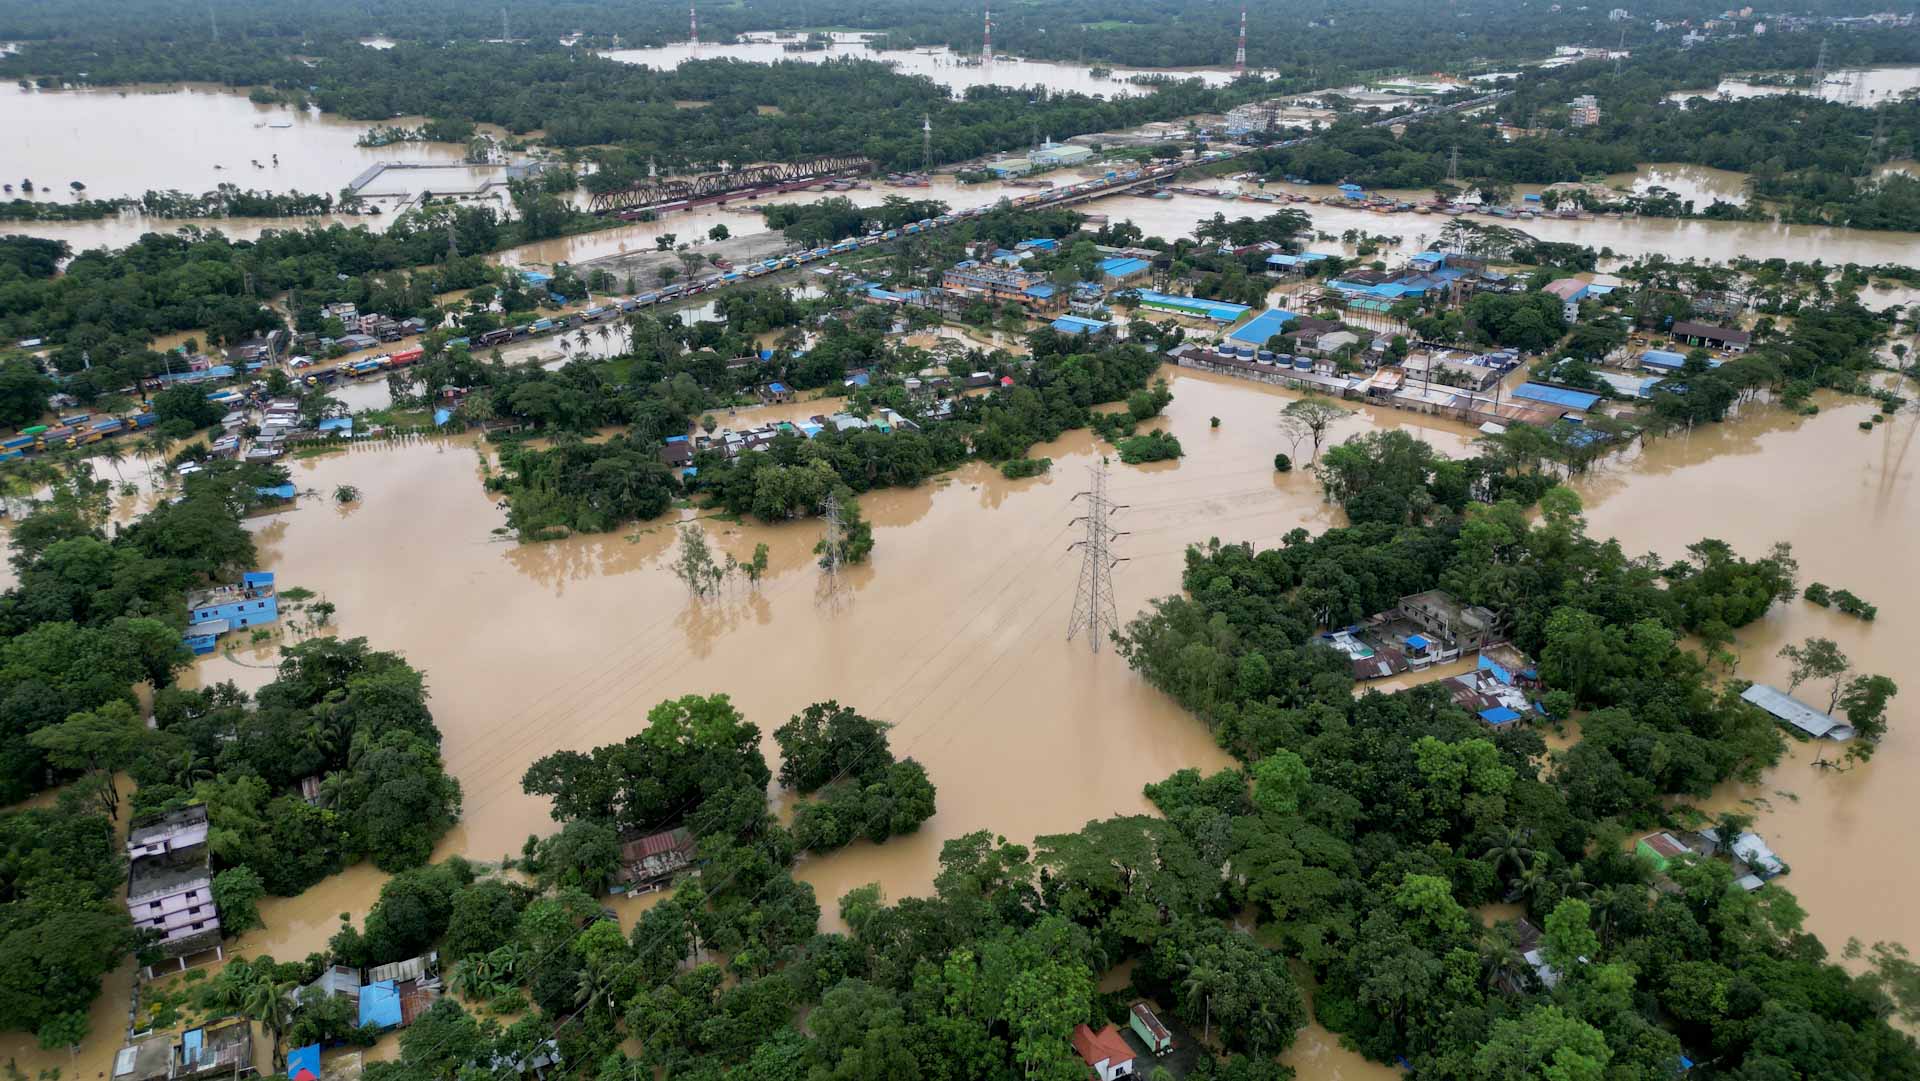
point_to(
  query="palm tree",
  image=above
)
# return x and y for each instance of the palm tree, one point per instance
(265, 1000)
(1200, 979)
(582, 338)
(114, 453)
(1510, 850)
(1503, 965)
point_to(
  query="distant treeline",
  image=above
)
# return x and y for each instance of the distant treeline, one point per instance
(1319, 37)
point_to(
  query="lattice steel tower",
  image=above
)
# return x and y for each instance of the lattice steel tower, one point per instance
(1093, 607)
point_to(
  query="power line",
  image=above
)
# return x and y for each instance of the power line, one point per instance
(1093, 602)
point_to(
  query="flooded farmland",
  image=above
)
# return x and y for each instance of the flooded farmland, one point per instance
(955, 72)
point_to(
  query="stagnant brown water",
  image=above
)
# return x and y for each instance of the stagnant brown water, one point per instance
(955, 633)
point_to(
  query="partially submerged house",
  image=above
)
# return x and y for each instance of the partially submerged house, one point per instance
(395, 995)
(649, 863)
(1790, 710)
(223, 1049)
(170, 884)
(1457, 625)
(1752, 861)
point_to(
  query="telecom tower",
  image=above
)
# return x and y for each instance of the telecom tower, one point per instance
(1820, 69)
(926, 143)
(1093, 607)
(1240, 54)
(693, 24)
(986, 40)
(1453, 165)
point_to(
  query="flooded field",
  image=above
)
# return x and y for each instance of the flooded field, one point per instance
(122, 142)
(1701, 184)
(1627, 237)
(1859, 86)
(943, 66)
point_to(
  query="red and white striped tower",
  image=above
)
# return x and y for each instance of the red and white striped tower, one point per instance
(986, 41)
(1240, 54)
(693, 23)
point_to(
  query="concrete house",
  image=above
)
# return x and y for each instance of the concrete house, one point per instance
(170, 884)
(1459, 626)
(223, 1049)
(1708, 336)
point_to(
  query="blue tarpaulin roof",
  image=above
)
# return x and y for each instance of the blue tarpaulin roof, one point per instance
(380, 1005)
(1263, 326)
(278, 491)
(1417, 641)
(1560, 396)
(1499, 715)
(1498, 672)
(303, 1063)
(777, 387)
(441, 416)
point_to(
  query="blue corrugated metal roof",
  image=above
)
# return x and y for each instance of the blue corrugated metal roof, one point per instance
(1042, 290)
(1073, 324)
(1121, 266)
(1560, 396)
(1662, 358)
(1499, 715)
(1263, 326)
(380, 1005)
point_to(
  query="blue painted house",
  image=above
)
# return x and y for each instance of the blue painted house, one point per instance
(213, 612)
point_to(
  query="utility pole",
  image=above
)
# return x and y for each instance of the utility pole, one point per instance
(1240, 53)
(1093, 607)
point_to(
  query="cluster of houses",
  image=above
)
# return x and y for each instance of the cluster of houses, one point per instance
(223, 1049)
(364, 330)
(997, 276)
(678, 451)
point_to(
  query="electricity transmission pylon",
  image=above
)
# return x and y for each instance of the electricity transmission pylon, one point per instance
(1093, 607)
(832, 545)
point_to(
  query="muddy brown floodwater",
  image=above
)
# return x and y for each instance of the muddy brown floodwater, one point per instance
(955, 632)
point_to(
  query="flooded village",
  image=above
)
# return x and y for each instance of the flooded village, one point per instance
(402, 506)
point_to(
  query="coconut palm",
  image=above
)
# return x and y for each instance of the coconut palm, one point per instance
(114, 453)
(583, 338)
(1200, 979)
(265, 1001)
(1512, 850)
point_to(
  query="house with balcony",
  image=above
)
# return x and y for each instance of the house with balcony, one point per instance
(170, 884)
